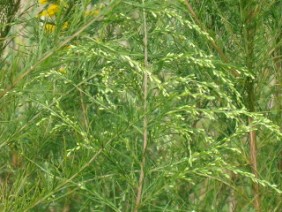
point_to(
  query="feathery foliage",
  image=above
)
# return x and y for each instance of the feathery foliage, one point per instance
(72, 107)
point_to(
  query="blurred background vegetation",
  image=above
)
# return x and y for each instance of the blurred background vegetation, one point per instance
(116, 105)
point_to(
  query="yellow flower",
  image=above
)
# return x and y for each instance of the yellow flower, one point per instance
(49, 27)
(65, 26)
(51, 10)
(42, 1)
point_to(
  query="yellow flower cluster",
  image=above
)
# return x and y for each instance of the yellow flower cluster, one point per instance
(48, 15)
(51, 27)
(51, 9)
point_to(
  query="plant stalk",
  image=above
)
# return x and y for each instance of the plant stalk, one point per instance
(250, 11)
(145, 120)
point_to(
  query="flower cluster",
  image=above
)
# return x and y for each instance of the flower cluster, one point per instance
(52, 8)
(48, 14)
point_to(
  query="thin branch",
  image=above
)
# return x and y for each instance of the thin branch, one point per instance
(197, 20)
(212, 42)
(145, 121)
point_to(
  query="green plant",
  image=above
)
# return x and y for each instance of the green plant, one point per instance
(143, 107)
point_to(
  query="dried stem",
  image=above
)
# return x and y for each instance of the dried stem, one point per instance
(253, 161)
(145, 121)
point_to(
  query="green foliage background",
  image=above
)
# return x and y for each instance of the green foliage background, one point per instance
(71, 107)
